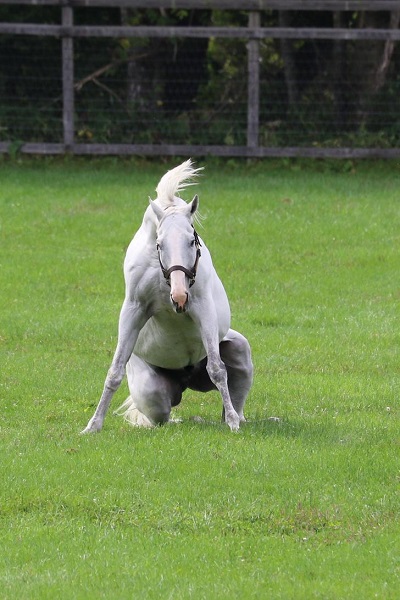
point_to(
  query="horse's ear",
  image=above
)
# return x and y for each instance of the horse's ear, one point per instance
(193, 205)
(157, 210)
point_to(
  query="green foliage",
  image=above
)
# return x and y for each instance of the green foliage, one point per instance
(304, 505)
(194, 91)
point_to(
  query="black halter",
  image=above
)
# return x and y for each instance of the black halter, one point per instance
(191, 273)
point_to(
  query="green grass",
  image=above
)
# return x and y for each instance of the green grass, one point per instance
(304, 507)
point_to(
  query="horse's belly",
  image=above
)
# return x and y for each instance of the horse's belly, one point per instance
(170, 344)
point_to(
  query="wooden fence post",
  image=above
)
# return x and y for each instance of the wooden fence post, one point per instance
(253, 92)
(68, 78)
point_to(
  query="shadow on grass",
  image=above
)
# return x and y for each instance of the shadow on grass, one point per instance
(313, 430)
(263, 427)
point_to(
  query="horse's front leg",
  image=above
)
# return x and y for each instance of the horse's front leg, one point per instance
(218, 375)
(216, 370)
(131, 321)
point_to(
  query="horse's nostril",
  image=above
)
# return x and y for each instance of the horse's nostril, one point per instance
(179, 303)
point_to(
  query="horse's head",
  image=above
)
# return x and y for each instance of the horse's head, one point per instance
(178, 247)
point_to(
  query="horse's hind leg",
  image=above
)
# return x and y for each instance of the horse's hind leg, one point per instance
(236, 354)
(152, 394)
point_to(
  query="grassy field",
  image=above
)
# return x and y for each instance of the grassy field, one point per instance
(302, 506)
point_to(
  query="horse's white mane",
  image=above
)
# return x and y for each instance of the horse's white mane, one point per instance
(174, 181)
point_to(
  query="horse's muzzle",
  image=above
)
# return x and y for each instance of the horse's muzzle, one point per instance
(179, 302)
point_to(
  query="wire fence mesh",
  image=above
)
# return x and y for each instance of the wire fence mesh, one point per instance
(194, 92)
(31, 90)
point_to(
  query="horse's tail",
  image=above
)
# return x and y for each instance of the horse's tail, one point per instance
(174, 181)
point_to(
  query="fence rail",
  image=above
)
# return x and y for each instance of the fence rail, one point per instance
(254, 34)
(305, 5)
(148, 31)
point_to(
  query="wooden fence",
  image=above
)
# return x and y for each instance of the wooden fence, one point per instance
(253, 33)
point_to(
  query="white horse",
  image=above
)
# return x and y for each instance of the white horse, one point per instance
(174, 326)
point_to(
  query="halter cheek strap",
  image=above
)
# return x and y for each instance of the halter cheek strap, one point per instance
(191, 273)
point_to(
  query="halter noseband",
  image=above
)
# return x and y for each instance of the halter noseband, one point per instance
(191, 273)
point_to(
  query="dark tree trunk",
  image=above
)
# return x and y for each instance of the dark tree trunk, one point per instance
(371, 61)
(383, 67)
(338, 74)
(289, 62)
(138, 90)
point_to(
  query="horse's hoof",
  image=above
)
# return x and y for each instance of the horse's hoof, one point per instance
(233, 421)
(91, 428)
(88, 430)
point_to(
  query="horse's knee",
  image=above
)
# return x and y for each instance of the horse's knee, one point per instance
(217, 372)
(114, 378)
(158, 415)
(236, 354)
(157, 398)
(155, 409)
(245, 351)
